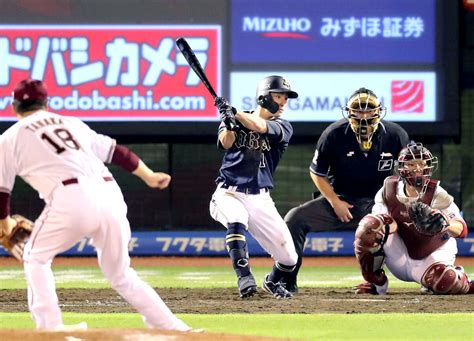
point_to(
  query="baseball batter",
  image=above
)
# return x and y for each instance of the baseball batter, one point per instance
(63, 159)
(254, 144)
(413, 225)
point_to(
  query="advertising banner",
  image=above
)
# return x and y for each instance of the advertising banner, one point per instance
(212, 243)
(113, 73)
(336, 31)
(408, 96)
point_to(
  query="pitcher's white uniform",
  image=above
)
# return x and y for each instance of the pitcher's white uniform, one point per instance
(63, 159)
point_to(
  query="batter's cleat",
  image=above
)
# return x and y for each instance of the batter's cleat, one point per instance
(371, 289)
(275, 289)
(247, 286)
(291, 287)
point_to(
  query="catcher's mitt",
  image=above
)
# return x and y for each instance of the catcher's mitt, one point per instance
(14, 242)
(427, 221)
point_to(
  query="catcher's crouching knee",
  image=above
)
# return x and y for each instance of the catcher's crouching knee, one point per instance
(445, 279)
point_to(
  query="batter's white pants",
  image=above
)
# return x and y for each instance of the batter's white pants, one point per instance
(411, 270)
(96, 209)
(260, 216)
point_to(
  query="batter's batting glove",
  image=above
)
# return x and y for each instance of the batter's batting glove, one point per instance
(226, 112)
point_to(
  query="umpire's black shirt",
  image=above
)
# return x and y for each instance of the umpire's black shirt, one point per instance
(352, 172)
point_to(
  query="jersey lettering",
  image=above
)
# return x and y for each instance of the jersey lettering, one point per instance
(252, 140)
(66, 138)
(262, 164)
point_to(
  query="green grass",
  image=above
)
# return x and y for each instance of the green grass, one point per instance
(188, 277)
(451, 326)
(301, 327)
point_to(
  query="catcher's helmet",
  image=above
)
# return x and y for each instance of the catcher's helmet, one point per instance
(364, 112)
(416, 165)
(275, 84)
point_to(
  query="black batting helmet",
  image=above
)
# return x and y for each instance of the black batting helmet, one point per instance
(275, 84)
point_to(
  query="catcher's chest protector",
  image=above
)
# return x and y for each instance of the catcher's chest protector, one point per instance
(418, 245)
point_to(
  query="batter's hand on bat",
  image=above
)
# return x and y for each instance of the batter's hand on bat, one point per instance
(341, 209)
(158, 180)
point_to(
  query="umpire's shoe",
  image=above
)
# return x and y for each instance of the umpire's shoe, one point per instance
(275, 289)
(247, 286)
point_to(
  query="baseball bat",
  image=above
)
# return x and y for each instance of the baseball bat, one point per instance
(193, 62)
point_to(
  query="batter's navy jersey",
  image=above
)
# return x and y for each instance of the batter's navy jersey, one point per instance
(352, 172)
(253, 157)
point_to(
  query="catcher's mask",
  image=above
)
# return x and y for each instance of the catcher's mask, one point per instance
(273, 84)
(416, 165)
(364, 112)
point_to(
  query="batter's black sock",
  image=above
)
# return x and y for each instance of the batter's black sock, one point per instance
(279, 270)
(237, 248)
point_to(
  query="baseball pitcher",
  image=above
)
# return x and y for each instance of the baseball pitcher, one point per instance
(63, 159)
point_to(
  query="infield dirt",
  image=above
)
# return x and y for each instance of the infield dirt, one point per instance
(226, 300)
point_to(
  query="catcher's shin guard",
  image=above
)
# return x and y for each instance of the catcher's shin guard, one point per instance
(443, 279)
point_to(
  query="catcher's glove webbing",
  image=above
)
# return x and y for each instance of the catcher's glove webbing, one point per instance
(14, 242)
(427, 221)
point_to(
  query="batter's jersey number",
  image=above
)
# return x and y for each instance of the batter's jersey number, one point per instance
(66, 140)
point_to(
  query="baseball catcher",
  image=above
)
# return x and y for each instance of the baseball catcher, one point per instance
(14, 239)
(423, 248)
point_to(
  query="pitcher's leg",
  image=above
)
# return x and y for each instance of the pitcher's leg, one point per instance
(42, 298)
(111, 242)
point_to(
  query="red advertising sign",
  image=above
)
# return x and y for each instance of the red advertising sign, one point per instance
(113, 72)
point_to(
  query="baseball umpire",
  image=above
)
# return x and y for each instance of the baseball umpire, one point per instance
(412, 228)
(254, 143)
(352, 158)
(63, 160)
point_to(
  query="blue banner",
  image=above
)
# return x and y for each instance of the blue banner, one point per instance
(336, 31)
(212, 243)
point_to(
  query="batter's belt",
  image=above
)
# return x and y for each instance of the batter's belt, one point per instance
(242, 189)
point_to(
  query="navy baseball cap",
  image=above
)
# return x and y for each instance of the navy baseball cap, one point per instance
(30, 90)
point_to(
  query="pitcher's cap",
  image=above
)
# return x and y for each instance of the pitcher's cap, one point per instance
(30, 90)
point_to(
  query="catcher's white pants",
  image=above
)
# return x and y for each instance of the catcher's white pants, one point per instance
(411, 270)
(260, 216)
(93, 208)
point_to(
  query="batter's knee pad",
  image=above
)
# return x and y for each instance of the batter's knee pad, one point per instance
(446, 279)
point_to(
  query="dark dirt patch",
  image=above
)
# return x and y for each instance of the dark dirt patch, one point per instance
(220, 301)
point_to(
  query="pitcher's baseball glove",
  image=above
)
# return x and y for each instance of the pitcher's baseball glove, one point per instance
(427, 221)
(14, 242)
